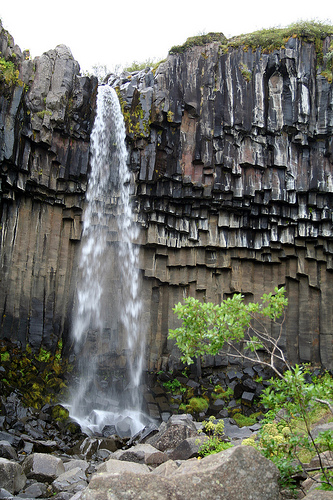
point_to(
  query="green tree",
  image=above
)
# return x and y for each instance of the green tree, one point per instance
(238, 329)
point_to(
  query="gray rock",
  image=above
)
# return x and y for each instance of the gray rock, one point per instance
(238, 473)
(35, 490)
(5, 494)
(82, 464)
(166, 469)
(172, 433)
(188, 448)
(7, 451)
(319, 495)
(326, 459)
(72, 481)
(12, 477)
(113, 466)
(142, 454)
(321, 428)
(234, 432)
(43, 467)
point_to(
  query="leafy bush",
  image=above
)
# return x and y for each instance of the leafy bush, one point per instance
(286, 436)
(209, 328)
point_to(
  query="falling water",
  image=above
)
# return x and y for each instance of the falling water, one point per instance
(106, 324)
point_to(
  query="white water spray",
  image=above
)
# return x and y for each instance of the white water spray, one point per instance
(106, 324)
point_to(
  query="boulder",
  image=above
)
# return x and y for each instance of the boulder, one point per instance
(142, 454)
(172, 433)
(82, 464)
(326, 459)
(12, 477)
(238, 473)
(321, 428)
(188, 448)
(166, 469)
(319, 495)
(7, 451)
(35, 490)
(43, 467)
(113, 466)
(72, 481)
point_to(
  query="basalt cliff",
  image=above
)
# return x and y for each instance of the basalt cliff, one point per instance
(231, 154)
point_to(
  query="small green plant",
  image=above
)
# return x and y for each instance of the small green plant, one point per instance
(5, 356)
(174, 386)
(43, 113)
(9, 73)
(246, 73)
(214, 444)
(288, 441)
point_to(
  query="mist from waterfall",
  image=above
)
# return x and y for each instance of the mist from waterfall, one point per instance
(106, 325)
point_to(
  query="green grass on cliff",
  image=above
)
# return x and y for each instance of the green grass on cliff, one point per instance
(195, 41)
(268, 39)
(274, 38)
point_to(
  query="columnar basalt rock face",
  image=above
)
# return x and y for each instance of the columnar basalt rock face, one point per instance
(231, 155)
(45, 122)
(235, 186)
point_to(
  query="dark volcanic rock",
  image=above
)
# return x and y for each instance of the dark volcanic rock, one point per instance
(231, 169)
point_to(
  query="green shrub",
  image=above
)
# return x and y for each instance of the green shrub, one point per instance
(174, 386)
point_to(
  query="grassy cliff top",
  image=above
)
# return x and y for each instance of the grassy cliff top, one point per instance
(268, 39)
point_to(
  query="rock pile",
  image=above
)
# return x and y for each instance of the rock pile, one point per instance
(41, 458)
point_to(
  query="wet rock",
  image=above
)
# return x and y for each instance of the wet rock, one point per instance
(12, 477)
(43, 467)
(108, 430)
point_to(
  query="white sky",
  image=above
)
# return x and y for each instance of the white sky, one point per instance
(116, 32)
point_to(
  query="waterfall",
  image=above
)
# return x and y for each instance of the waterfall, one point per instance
(106, 325)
